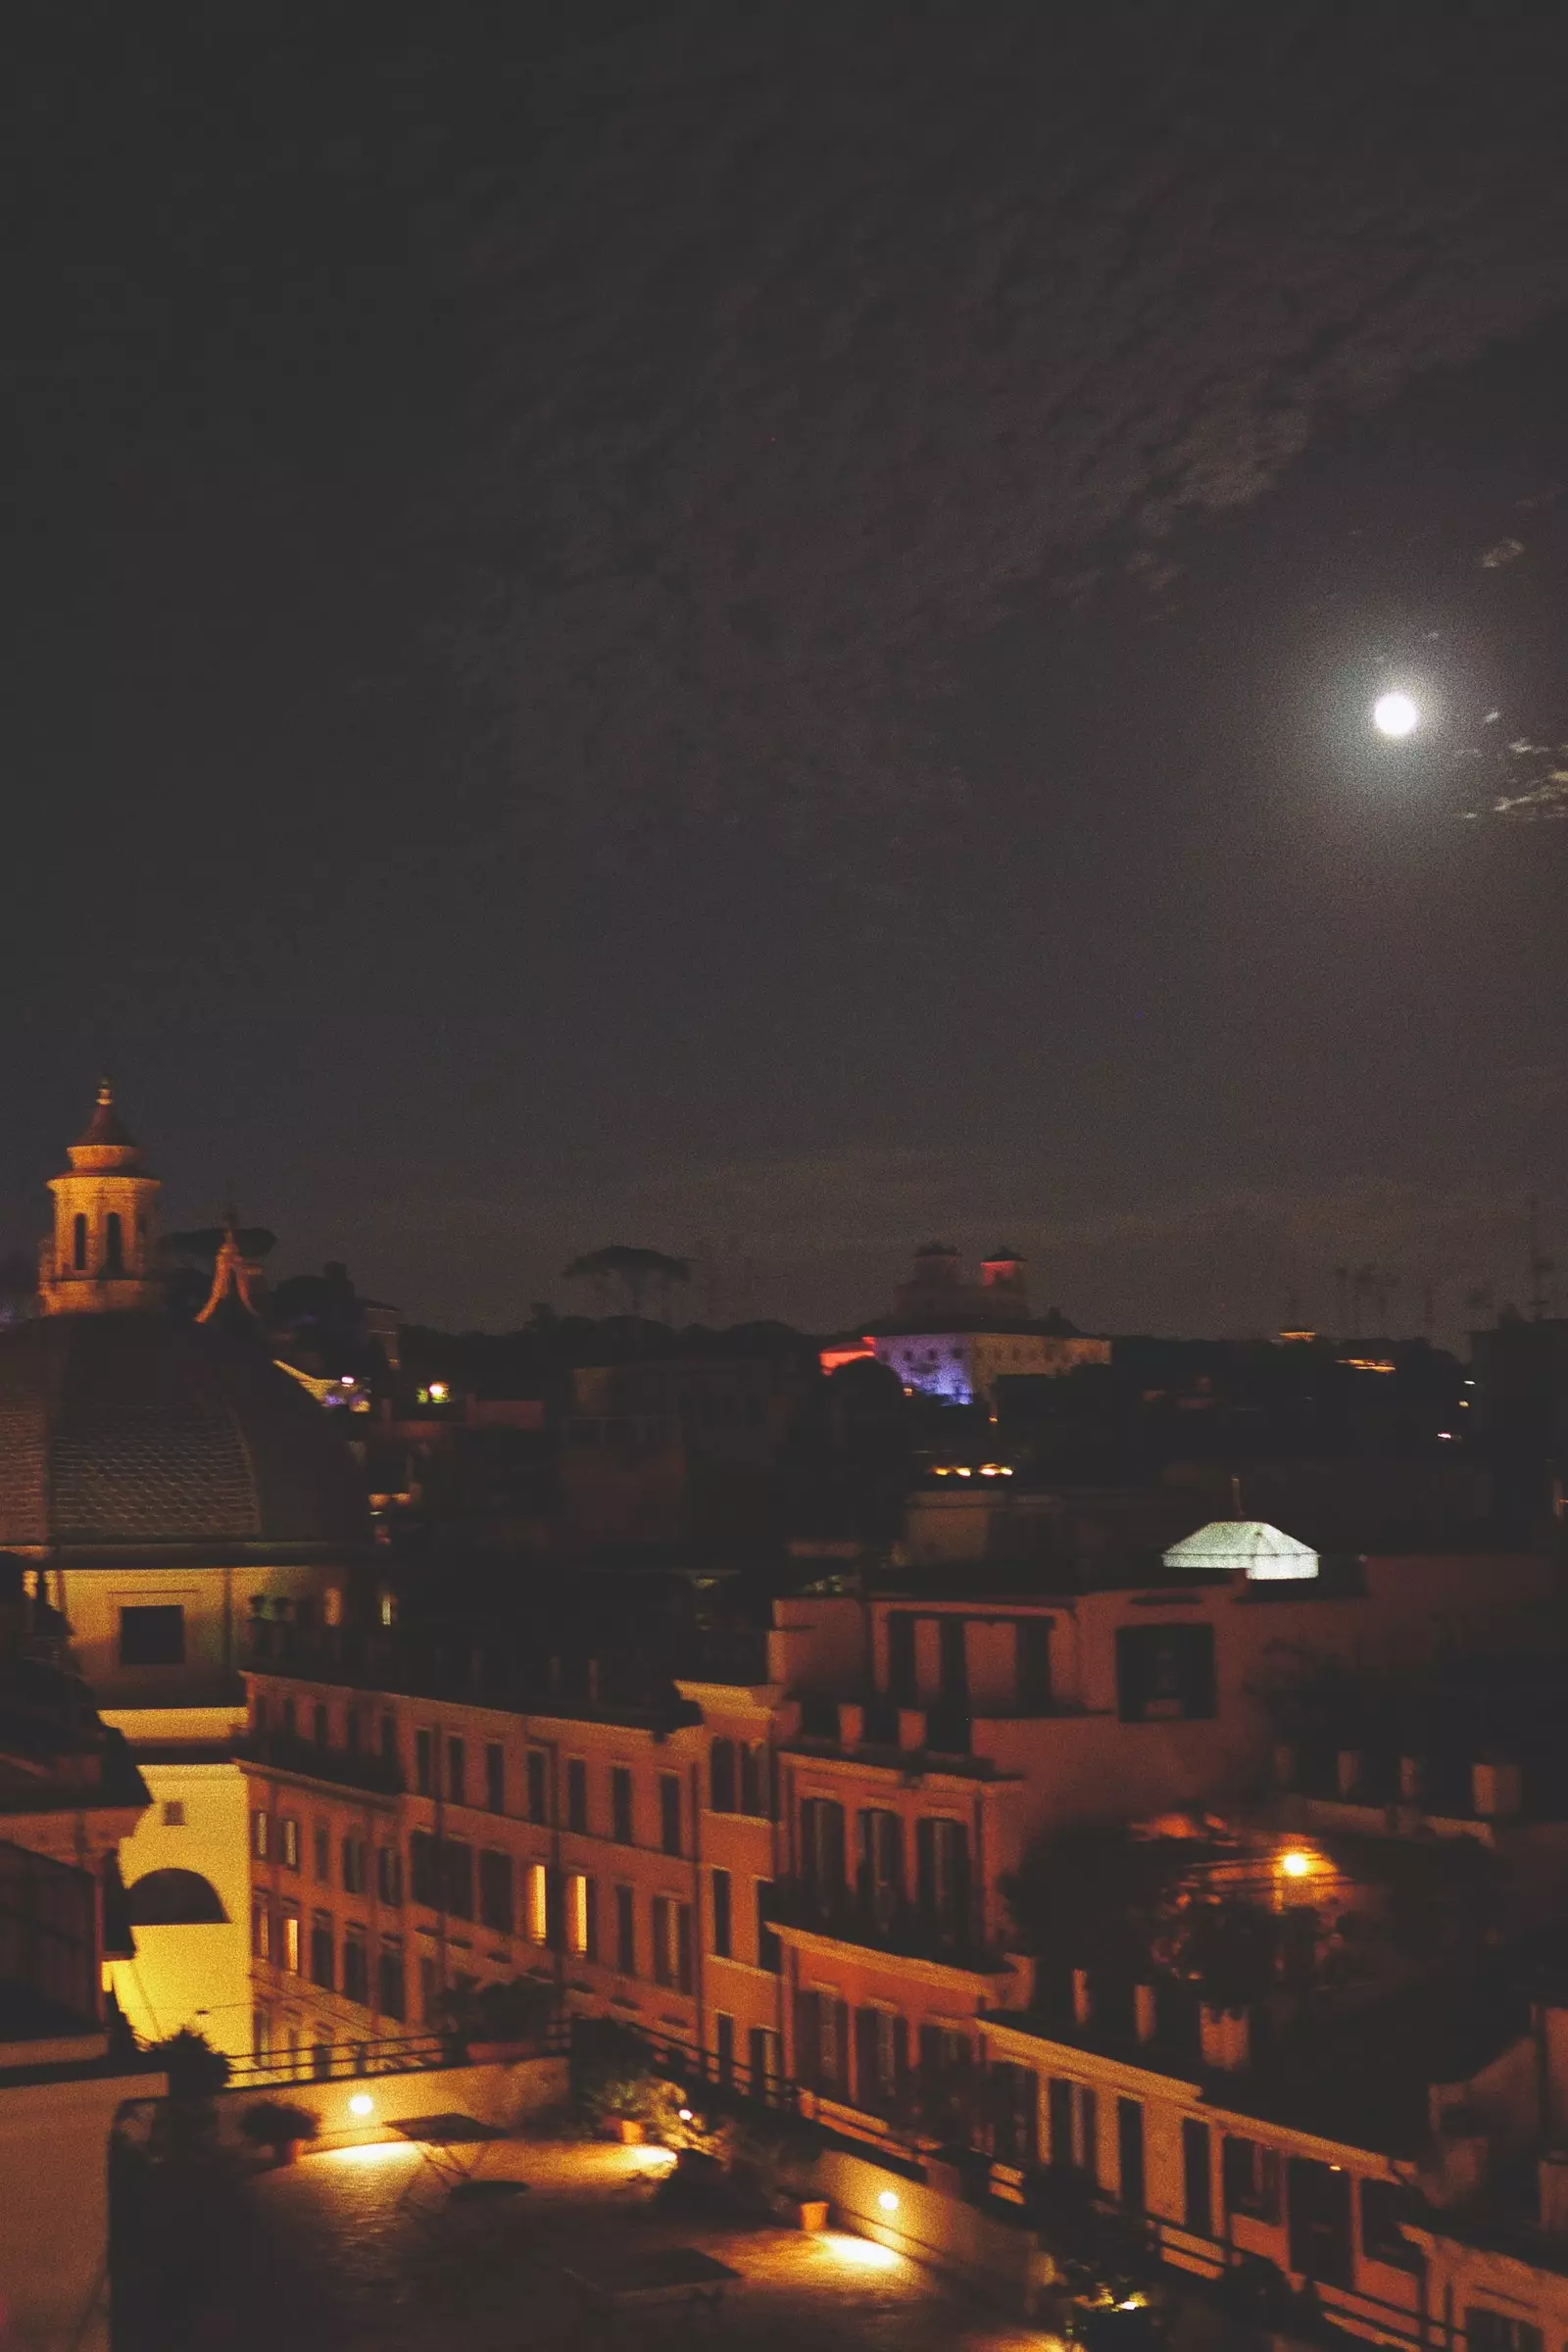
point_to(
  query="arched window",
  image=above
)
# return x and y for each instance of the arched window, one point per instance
(113, 1244)
(174, 1898)
(79, 1244)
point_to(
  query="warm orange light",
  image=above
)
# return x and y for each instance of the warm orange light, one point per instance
(1295, 1864)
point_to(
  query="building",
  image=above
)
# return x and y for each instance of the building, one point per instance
(954, 1340)
(70, 1795)
(170, 1485)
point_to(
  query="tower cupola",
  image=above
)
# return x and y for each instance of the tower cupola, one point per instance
(102, 1255)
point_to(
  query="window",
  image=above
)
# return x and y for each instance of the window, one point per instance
(261, 1929)
(538, 1789)
(495, 1777)
(942, 1875)
(1130, 2154)
(767, 1944)
(1251, 2176)
(620, 1818)
(1058, 2109)
(261, 1835)
(1015, 2124)
(822, 1846)
(389, 1740)
(580, 1907)
(1089, 2133)
(355, 1968)
(390, 1996)
(1385, 2204)
(322, 1837)
(880, 2059)
(153, 1637)
(536, 1902)
(79, 1244)
(389, 1874)
(1318, 2205)
(322, 1954)
(724, 2047)
(424, 1869)
(721, 1914)
(355, 1865)
(1033, 1664)
(822, 2040)
(113, 1243)
(431, 1998)
(754, 1781)
(291, 1841)
(319, 1725)
(291, 1943)
(576, 1793)
(669, 1812)
(457, 1772)
(291, 1718)
(1196, 2185)
(456, 1874)
(722, 1776)
(495, 1891)
(673, 1956)
(1490, 2332)
(259, 1713)
(423, 1764)
(763, 2059)
(173, 1813)
(1164, 1673)
(351, 1722)
(879, 1864)
(625, 1931)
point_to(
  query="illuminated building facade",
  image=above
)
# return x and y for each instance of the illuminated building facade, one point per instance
(952, 1339)
(170, 1483)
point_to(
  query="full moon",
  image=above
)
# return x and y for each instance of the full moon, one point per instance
(1395, 714)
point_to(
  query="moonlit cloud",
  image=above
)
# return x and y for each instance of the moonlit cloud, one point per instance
(813, 336)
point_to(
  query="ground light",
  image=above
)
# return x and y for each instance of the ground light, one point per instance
(860, 2253)
(362, 2103)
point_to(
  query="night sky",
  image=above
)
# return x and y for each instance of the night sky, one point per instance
(750, 629)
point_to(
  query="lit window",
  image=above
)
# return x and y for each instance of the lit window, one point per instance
(291, 1943)
(576, 1913)
(535, 1902)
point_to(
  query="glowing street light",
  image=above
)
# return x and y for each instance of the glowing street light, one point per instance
(1295, 1864)
(362, 2103)
(1396, 714)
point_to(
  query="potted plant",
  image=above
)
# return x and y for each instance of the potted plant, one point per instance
(274, 2124)
(613, 2080)
(779, 2157)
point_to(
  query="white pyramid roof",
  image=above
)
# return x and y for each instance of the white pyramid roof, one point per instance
(1264, 1552)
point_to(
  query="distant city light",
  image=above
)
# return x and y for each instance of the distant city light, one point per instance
(685, 2114)
(439, 1391)
(1395, 714)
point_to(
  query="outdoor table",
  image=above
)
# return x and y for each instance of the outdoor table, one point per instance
(676, 2275)
(451, 2148)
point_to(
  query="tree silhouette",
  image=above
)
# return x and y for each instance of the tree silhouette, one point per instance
(623, 1276)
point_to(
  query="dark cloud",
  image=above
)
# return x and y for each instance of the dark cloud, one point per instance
(813, 335)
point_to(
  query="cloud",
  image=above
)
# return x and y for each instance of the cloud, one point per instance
(813, 335)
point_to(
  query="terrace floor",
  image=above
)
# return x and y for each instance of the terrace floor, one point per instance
(328, 2257)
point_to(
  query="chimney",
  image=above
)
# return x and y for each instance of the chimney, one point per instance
(1145, 2015)
(1226, 2039)
(1082, 2006)
(851, 1723)
(911, 1728)
(1495, 1790)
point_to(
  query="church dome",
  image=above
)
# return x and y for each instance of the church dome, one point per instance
(130, 1431)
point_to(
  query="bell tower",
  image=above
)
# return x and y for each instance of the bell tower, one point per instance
(102, 1254)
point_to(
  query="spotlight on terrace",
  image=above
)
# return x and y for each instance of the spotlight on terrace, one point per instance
(362, 2103)
(888, 2201)
(1295, 1864)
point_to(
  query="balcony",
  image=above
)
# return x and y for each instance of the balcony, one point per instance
(881, 1921)
(337, 1767)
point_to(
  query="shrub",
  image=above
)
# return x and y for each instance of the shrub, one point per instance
(274, 2124)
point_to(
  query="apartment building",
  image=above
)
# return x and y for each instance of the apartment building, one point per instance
(405, 1846)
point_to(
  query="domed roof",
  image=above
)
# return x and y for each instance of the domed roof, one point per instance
(133, 1429)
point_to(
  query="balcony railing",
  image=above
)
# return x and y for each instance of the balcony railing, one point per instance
(339, 1767)
(885, 1922)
